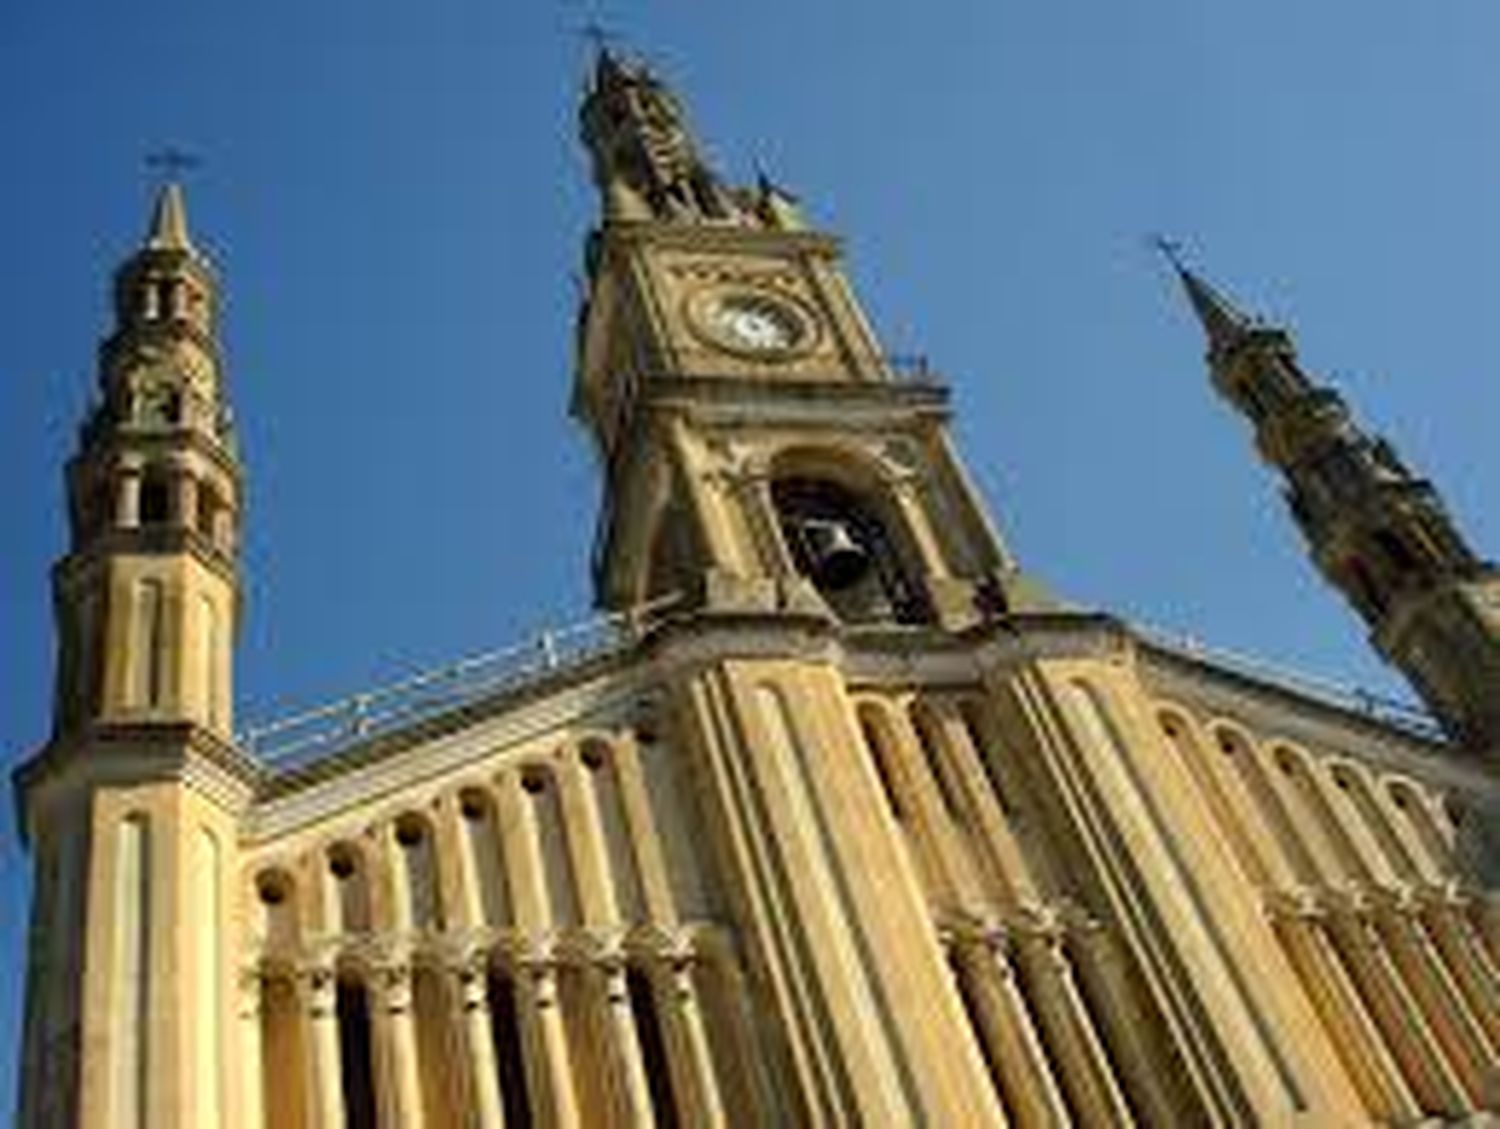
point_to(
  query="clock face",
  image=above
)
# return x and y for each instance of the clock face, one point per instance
(755, 325)
(752, 323)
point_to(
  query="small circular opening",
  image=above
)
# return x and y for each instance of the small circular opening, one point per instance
(471, 806)
(409, 832)
(592, 756)
(534, 781)
(272, 889)
(341, 865)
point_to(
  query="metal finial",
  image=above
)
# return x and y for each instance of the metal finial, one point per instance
(1170, 249)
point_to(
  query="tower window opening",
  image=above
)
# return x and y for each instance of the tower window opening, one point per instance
(156, 498)
(208, 508)
(841, 545)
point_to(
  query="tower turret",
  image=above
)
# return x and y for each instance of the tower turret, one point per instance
(760, 449)
(147, 595)
(130, 807)
(1377, 531)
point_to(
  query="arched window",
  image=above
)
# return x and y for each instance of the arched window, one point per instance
(423, 897)
(350, 890)
(841, 544)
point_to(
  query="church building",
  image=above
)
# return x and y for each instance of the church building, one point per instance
(837, 817)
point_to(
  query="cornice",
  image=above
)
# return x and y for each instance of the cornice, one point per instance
(619, 234)
(120, 754)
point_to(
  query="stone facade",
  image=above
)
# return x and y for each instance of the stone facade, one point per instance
(849, 823)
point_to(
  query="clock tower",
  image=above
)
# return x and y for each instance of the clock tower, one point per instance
(762, 453)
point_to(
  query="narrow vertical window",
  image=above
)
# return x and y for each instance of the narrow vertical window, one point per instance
(212, 683)
(653, 1042)
(209, 970)
(149, 657)
(356, 1068)
(129, 1026)
(351, 895)
(510, 1062)
(424, 903)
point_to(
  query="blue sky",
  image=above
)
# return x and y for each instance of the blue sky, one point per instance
(397, 201)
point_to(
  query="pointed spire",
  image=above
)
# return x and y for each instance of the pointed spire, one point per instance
(1222, 321)
(169, 228)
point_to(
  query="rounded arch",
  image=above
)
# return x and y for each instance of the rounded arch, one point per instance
(418, 883)
(1338, 857)
(349, 908)
(1356, 784)
(1225, 805)
(847, 534)
(276, 898)
(1415, 811)
(1237, 749)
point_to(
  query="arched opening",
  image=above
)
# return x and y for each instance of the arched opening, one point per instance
(276, 895)
(540, 788)
(840, 543)
(156, 497)
(602, 778)
(418, 858)
(486, 863)
(349, 908)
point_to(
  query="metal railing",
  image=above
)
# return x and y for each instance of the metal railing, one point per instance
(300, 738)
(1404, 715)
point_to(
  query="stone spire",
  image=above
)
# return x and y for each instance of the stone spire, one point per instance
(646, 162)
(1376, 530)
(169, 226)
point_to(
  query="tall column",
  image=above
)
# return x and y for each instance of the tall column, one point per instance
(1099, 962)
(319, 984)
(685, 1022)
(252, 1065)
(1455, 1029)
(1031, 1088)
(1301, 924)
(539, 996)
(624, 1040)
(1087, 1077)
(471, 985)
(1401, 1021)
(128, 497)
(394, 997)
(1464, 952)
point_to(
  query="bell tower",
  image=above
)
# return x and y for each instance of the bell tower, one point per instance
(129, 807)
(1376, 530)
(761, 452)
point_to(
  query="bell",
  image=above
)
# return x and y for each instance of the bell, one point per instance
(838, 560)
